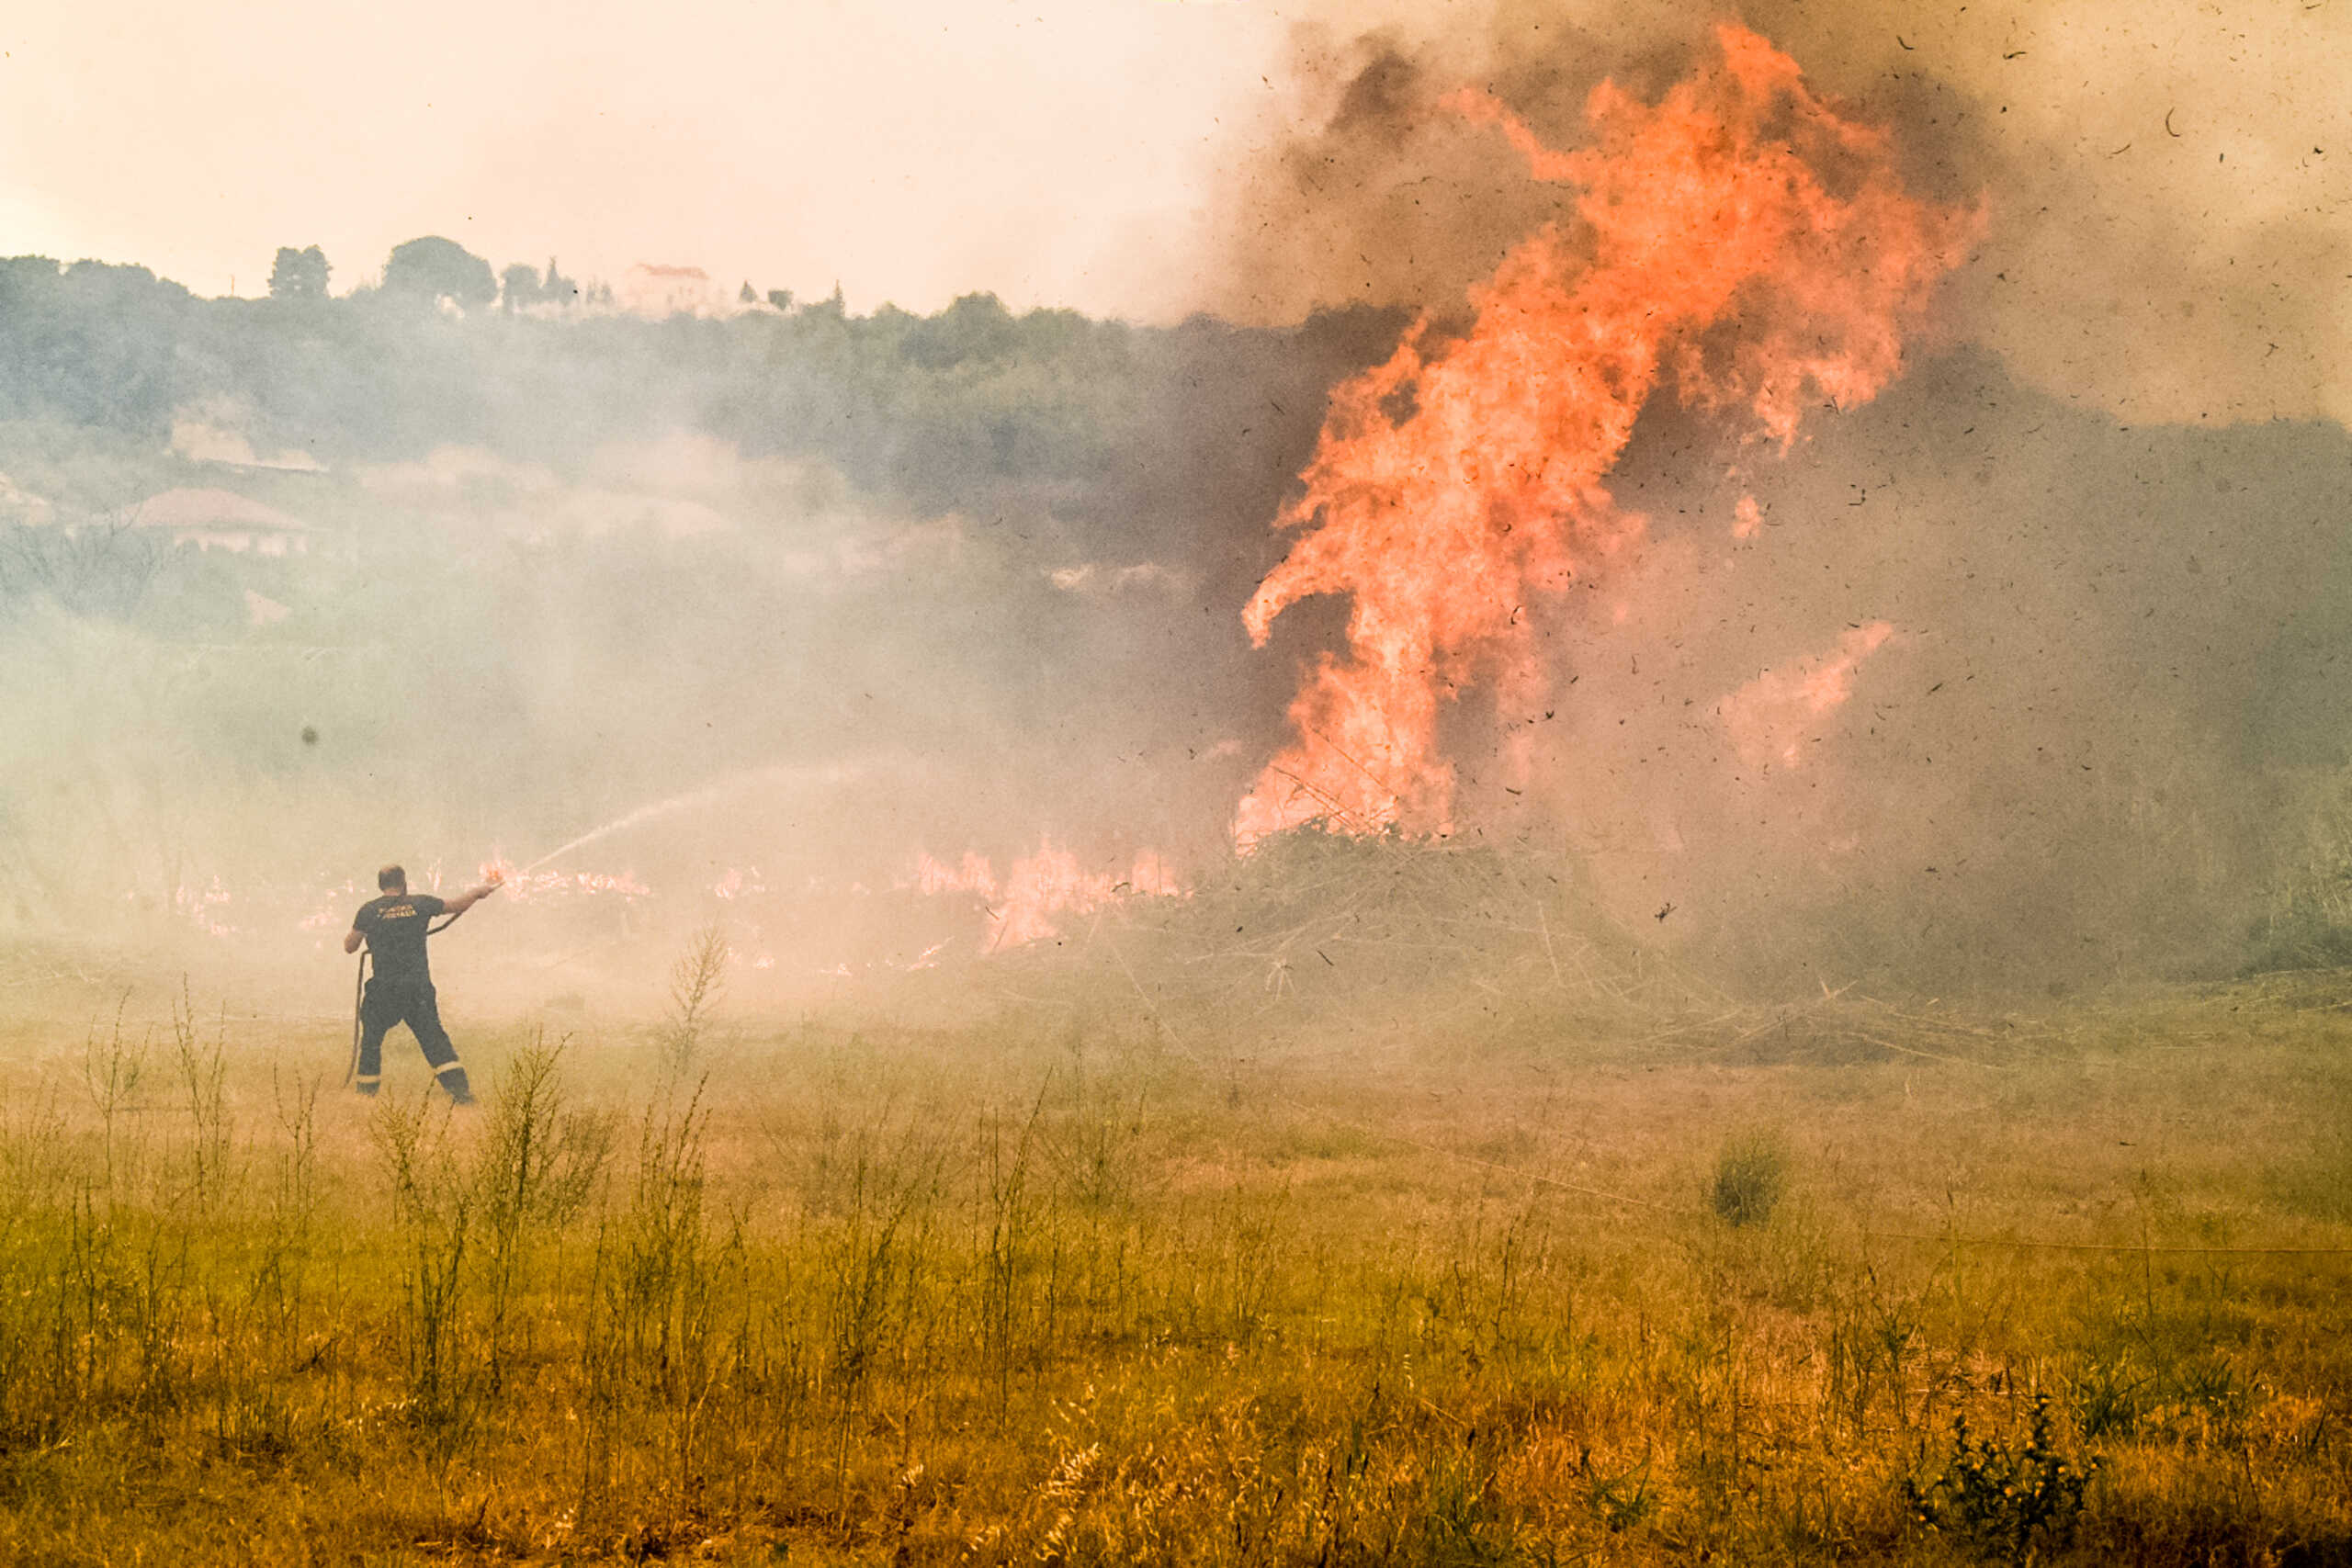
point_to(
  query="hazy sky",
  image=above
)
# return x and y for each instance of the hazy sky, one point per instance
(1054, 151)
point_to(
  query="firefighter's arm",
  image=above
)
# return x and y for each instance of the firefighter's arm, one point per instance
(469, 898)
(352, 939)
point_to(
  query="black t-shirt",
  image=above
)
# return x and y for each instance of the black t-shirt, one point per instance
(394, 926)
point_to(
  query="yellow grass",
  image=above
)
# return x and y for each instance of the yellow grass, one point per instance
(1060, 1288)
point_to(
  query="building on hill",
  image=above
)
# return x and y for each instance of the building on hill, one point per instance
(224, 520)
(660, 292)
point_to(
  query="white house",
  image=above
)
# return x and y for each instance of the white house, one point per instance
(659, 292)
(224, 520)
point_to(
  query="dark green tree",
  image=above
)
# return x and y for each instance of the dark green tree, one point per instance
(835, 306)
(558, 289)
(976, 327)
(298, 275)
(746, 296)
(434, 268)
(518, 286)
(780, 298)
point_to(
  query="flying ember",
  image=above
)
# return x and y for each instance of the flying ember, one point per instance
(1741, 242)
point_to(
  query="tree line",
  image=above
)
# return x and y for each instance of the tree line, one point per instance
(940, 410)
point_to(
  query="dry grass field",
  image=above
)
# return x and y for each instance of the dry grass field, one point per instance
(1064, 1286)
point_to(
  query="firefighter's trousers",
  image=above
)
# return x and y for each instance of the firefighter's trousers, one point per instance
(415, 1004)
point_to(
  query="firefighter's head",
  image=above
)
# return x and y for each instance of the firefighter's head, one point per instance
(391, 879)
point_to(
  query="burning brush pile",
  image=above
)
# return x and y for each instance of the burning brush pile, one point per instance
(1315, 925)
(1317, 932)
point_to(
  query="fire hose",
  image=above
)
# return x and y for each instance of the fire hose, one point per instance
(359, 995)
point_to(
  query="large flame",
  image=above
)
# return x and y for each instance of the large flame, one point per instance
(1739, 239)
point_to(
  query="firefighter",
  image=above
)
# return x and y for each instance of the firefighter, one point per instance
(401, 991)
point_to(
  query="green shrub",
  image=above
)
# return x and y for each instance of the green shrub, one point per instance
(2110, 1398)
(1751, 1173)
(2002, 1501)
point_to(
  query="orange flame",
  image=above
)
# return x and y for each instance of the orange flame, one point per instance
(1741, 239)
(1022, 908)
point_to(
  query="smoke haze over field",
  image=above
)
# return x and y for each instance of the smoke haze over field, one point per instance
(856, 589)
(2023, 660)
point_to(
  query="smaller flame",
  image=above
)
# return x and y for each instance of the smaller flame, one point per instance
(1771, 718)
(196, 904)
(738, 882)
(1023, 904)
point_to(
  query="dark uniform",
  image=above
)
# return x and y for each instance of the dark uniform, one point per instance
(401, 991)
